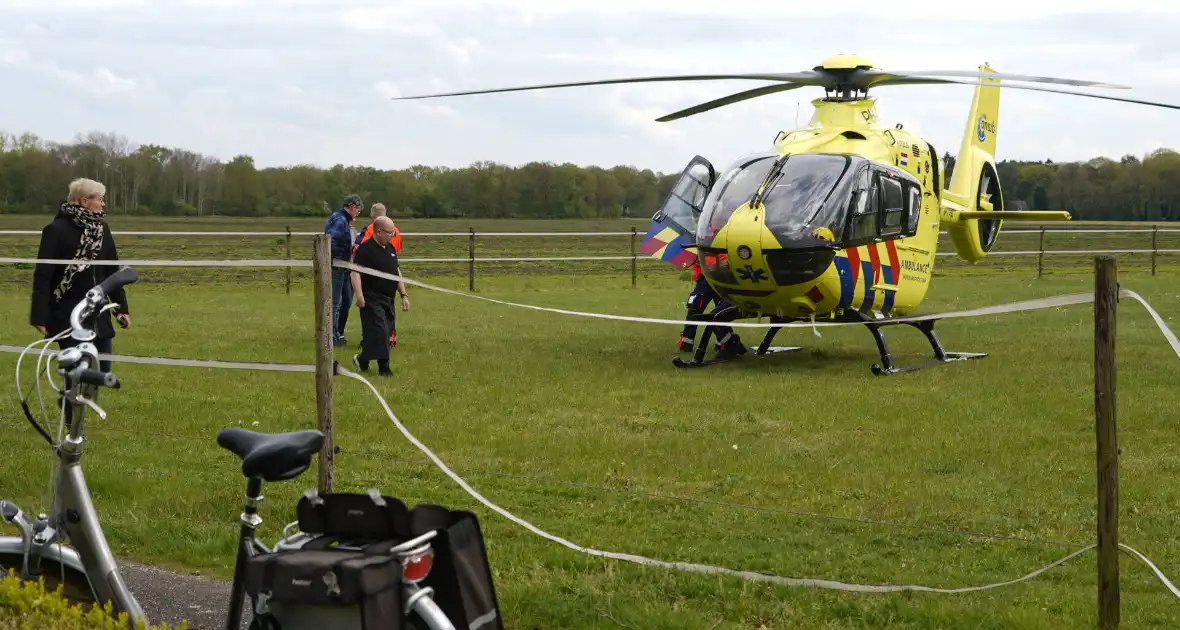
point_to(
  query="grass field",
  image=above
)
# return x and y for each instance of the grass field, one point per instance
(584, 428)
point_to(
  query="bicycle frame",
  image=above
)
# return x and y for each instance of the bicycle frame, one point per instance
(74, 518)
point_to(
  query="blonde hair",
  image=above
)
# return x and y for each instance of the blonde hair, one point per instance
(83, 188)
(377, 210)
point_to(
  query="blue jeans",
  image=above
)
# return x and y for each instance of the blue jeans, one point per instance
(341, 300)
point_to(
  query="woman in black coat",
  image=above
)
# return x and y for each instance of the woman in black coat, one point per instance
(78, 232)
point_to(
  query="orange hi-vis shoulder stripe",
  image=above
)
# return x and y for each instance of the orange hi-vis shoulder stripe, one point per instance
(368, 233)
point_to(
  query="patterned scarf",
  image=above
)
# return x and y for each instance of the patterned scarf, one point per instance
(88, 246)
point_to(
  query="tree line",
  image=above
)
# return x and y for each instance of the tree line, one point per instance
(148, 179)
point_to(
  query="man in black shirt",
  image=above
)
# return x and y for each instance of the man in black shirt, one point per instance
(374, 296)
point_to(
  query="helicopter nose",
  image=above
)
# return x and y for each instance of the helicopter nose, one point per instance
(790, 267)
(748, 266)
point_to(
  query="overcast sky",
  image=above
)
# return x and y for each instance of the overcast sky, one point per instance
(309, 81)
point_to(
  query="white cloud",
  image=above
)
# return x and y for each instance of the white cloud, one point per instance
(13, 57)
(310, 81)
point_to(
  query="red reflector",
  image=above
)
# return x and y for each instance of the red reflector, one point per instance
(723, 259)
(710, 261)
(416, 568)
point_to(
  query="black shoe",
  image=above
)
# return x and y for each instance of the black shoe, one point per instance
(731, 349)
(356, 360)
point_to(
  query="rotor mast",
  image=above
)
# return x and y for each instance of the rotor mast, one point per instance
(846, 102)
(843, 67)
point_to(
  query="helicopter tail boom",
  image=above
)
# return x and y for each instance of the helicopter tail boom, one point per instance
(1017, 215)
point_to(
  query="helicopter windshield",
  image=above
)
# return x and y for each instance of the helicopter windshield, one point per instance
(734, 188)
(804, 196)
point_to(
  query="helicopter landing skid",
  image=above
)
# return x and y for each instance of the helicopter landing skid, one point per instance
(695, 362)
(720, 317)
(886, 367)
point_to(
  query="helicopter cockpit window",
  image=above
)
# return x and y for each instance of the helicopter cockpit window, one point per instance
(734, 188)
(863, 221)
(800, 198)
(892, 206)
(915, 206)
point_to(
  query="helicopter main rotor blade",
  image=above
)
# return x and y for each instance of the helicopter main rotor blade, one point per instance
(1005, 76)
(729, 100)
(1026, 87)
(803, 78)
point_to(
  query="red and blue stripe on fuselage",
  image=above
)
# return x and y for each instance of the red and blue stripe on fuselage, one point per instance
(855, 269)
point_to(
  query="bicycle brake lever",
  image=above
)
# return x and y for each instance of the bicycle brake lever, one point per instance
(93, 405)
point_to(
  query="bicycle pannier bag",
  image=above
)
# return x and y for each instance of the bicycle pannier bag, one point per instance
(305, 589)
(461, 575)
(353, 516)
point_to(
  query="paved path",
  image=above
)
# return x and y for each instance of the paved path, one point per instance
(169, 597)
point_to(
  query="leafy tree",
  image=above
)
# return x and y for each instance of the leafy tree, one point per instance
(155, 180)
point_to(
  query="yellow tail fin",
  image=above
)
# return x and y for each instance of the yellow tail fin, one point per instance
(975, 182)
(979, 140)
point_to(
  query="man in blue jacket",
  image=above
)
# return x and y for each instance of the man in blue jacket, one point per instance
(338, 227)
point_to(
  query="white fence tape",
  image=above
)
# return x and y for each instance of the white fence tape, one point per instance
(1013, 307)
(1028, 305)
(288, 262)
(551, 234)
(198, 363)
(243, 262)
(468, 234)
(644, 258)
(706, 568)
(683, 566)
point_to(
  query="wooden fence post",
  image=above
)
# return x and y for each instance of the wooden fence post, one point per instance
(288, 258)
(471, 260)
(1041, 254)
(1106, 431)
(1154, 230)
(633, 235)
(324, 359)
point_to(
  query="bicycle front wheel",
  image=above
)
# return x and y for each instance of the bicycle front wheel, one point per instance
(72, 579)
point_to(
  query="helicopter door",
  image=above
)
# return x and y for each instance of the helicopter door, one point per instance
(684, 203)
(864, 210)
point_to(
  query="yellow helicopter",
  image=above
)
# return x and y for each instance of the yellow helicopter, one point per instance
(839, 220)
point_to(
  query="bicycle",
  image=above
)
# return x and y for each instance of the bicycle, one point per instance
(87, 570)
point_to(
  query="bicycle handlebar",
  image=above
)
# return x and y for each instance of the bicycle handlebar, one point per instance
(94, 299)
(99, 379)
(80, 368)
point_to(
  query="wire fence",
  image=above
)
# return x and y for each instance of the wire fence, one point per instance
(1045, 250)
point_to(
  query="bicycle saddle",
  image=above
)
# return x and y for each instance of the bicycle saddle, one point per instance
(272, 456)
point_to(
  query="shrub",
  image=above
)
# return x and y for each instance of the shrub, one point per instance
(28, 606)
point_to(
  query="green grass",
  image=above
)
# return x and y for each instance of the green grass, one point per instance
(584, 428)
